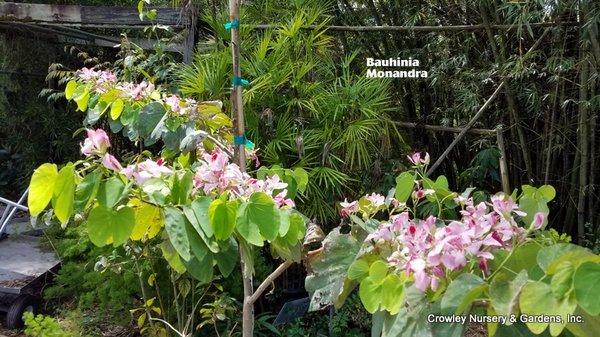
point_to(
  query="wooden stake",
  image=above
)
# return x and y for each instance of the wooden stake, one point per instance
(237, 112)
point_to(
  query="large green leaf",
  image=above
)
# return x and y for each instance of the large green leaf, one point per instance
(536, 300)
(150, 123)
(504, 292)
(182, 187)
(175, 227)
(550, 255)
(261, 211)
(227, 257)
(70, 89)
(521, 258)
(329, 268)
(106, 226)
(221, 215)
(41, 188)
(404, 186)
(457, 294)
(587, 287)
(149, 220)
(370, 294)
(197, 215)
(63, 197)
(110, 192)
(172, 257)
(201, 269)
(248, 229)
(87, 190)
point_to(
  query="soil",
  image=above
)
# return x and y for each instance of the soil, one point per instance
(10, 333)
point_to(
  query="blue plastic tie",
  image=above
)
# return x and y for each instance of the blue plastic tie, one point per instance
(235, 24)
(242, 140)
(239, 81)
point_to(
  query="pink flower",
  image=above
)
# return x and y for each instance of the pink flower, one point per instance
(348, 208)
(145, 170)
(111, 163)
(421, 193)
(174, 103)
(376, 199)
(538, 220)
(416, 159)
(87, 74)
(96, 143)
(281, 200)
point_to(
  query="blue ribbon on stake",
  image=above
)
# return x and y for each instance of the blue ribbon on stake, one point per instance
(234, 24)
(242, 140)
(239, 81)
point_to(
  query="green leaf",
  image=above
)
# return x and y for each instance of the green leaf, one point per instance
(456, 295)
(551, 254)
(562, 280)
(173, 259)
(116, 108)
(547, 192)
(520, 259)
(149, 220)
(378, 271)
(262, 212)
(284, 221)
(404, 186)
(182, 187)
(358, 270)
(392, 293)
(221, 215)
(63, 197)
(41, 188)
(326, 281)
(87, 189)
(70, 89)
(536, 299)
(587, 287)
(197, 215)
(197, 245)
(201, 269)
(504, 292)
(149, 122)
(370, 294)
(227, 257)
(301, 177)
(110, 192)
(248, 229)
(297, 229)
(106, 226)
(82, 99)
(175, 227)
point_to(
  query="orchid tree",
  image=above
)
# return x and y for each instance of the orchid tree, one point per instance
(190, 200)
(423, 256)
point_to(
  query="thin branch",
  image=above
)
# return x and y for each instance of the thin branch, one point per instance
(269, 280)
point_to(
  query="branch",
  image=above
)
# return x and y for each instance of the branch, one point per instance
(268, 281)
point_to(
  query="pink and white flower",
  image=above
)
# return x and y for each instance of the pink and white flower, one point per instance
(96, 143)
(145, 170)
(111, 163)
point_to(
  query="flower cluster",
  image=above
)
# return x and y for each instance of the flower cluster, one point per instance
(214, 175)
(102, 81)
(427, 249)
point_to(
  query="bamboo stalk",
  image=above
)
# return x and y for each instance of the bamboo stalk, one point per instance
(466, 128)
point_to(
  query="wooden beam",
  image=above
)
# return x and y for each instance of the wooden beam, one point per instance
(425, 29)
(444, 128)
(86, 15)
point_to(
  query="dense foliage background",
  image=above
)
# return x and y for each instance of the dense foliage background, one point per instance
(310, 105)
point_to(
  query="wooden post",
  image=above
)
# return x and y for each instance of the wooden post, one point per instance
(237, 113)
(502, 160)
